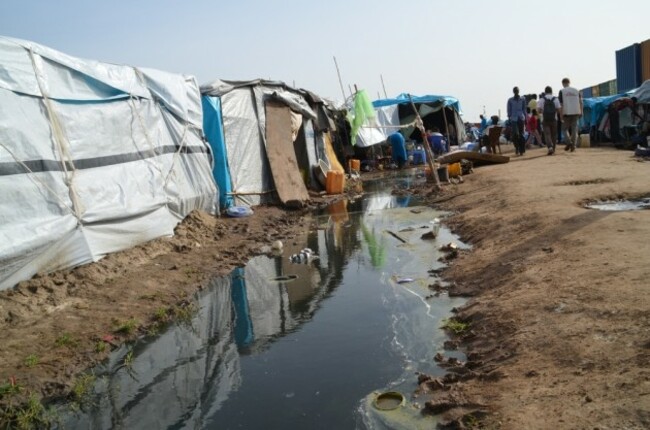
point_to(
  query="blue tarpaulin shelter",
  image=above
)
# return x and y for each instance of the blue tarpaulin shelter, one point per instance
(397, 114)
(595, 108)
(213, 129)
(403, 98)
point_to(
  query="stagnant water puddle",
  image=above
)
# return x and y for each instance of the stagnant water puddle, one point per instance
(621, 205)
(278, 345)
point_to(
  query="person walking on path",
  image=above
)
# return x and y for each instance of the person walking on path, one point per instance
(550, 108)
(517, 117)
(531, 127)
(571, 102)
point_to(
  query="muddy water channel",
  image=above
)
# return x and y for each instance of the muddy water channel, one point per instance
(310, 352)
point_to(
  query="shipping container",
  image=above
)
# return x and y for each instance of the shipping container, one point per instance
(607, 88)
(595, 91)
(628, 68)
(603, 89)
(586, 93)
(645, 60)
(613, 88)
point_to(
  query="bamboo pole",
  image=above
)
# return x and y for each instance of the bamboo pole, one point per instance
(444, 116)
(338, 73)
(382, 85)
(427, 148)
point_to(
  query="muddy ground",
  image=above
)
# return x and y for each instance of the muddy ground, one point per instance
(558, 324)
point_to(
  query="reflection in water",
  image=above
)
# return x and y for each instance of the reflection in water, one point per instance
(263, 353)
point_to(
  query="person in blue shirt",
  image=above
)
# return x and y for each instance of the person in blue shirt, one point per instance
(398, 146)
(437, 141)
(517, 116)
(483, 124)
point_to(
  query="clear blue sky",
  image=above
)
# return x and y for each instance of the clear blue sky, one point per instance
(476, 51)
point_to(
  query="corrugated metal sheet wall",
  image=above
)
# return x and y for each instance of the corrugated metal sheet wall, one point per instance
(595, 91)
(607, 88)
(628, 67)
(645, 60)
(613, 88)
(586, 93)
(603, 89)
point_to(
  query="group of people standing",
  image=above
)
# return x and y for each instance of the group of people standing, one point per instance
(564, 111)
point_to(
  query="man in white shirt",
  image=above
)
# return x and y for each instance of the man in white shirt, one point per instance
(571, 101)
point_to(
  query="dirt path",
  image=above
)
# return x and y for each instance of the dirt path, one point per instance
(560, 321)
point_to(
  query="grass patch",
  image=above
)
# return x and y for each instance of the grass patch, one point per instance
(31, 360)
(455, 326)
(30, 414)
(184, 313)
(9, 389)
(100, 346)
(125, 327)
(82, 387)
(66, 339)
(161, 314)
(128, 359)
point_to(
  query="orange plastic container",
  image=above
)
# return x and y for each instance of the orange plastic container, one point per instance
(335, 182)
(355, 165)
(454, 170)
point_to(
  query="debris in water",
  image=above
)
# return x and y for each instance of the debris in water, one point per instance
(428, 235)
(451, 246)
(397, 236)
(404, 280)
(277, 245)
(305, 256)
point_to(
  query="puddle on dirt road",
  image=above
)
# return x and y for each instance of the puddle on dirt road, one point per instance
(621, 205)
(309, 352)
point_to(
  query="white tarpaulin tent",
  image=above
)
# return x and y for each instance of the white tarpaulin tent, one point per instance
(244, 126)
(94, 158)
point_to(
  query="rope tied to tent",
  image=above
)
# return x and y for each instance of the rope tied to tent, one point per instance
(60, 140)
(137, 115)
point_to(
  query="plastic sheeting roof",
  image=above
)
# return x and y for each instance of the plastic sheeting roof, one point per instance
(598, 105)
(94, 158)
(642, 93)
(404, 98)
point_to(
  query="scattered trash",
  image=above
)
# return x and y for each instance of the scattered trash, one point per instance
(277, 245)
(451, 250)
(239, 211)
(404, 280)
(451, 246)
(305, 256)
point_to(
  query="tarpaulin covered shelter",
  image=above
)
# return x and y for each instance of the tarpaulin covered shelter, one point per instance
(94, 158)
(398, 111)
(642, 93)
(596, 113)
(267, 137)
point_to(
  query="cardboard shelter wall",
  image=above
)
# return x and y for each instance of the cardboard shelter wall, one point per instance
(94, 158)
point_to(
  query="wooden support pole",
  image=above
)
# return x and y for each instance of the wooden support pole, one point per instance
(427, 148)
